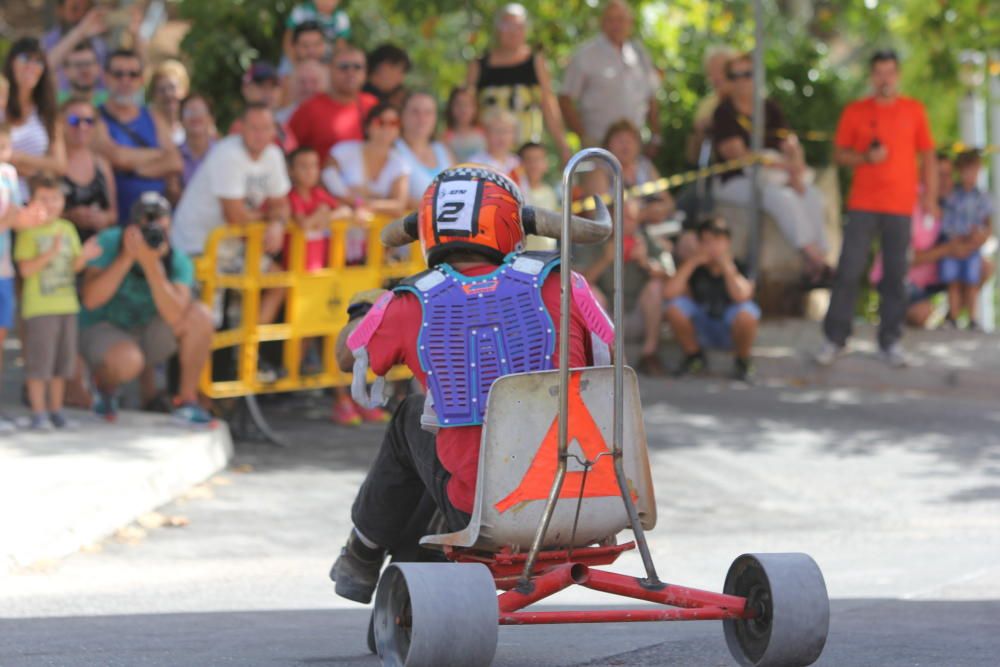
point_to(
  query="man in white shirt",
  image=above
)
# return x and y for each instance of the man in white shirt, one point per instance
(610, 78)
(243, 179)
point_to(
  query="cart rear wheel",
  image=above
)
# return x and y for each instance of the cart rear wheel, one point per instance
(793, 610)
(436, 615)
(371, 634)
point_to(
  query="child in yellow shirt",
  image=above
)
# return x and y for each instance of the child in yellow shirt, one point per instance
(49, 256)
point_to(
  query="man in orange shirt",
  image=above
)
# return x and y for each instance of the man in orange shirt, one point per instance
(881, 137)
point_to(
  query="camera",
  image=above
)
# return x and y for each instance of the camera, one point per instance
(153, 234)
(147, 212)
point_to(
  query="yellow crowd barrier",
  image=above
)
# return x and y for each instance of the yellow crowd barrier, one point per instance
(315, 302)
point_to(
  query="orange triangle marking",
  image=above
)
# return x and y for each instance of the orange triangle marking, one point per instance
(537, 481)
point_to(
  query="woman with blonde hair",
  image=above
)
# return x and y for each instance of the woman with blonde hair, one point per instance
(167, 87)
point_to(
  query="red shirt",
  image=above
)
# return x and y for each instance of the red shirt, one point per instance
(317, 243)
(320, 122)
(901, 126)
(395, 342)
(318, 195)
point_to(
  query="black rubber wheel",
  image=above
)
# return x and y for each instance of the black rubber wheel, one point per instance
(792, 618)
(371, 634)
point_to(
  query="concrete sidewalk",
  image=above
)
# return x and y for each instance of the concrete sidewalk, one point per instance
(61, 491)
(958, 364)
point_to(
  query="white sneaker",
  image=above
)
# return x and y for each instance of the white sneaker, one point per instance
(7, 424)
(895, 356)
(828, 353)
(38, 423)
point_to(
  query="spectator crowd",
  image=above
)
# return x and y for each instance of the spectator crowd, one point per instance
(113, 173)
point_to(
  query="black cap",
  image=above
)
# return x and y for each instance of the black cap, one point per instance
(261, 72)
(714, 226)
(149, 206)
(884, 55)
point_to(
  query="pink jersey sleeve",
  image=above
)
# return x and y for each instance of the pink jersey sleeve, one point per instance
(369, 323)
(597, 320)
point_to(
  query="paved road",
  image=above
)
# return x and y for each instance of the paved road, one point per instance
(897, 497)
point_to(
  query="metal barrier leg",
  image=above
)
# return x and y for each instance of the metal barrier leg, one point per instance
(260, 422)
(247, 422)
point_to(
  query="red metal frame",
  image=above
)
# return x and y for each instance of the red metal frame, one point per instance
(558, 570)
(507, 565)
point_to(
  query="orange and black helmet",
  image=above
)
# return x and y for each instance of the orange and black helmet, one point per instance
(473, 208)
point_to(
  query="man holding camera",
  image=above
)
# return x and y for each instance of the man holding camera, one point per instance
(881, 137)
(140, 312)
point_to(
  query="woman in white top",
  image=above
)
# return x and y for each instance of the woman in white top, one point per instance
(425, 157)
(31, 112)
(370, 175)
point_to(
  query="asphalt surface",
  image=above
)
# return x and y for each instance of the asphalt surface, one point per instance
(897, 497)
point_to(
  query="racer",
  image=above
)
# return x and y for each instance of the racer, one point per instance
(484, 309)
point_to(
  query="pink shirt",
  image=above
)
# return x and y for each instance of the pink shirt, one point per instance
(923, 236)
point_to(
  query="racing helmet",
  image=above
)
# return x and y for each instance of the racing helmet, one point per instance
(476, 208)
(473, 208)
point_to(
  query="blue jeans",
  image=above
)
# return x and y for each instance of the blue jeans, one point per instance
(713, 332)
(7, 303)
(967, 271)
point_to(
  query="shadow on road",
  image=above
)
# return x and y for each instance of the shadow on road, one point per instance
(840, 423)
(888, 633)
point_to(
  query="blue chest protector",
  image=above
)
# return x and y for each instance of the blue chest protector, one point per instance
(476, 329)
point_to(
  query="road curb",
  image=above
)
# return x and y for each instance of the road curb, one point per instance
(61, 492)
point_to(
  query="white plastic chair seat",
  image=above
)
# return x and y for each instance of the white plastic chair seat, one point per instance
(516, 471)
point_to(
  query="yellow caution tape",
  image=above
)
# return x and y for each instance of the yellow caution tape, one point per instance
(668, 182)
(665, 183)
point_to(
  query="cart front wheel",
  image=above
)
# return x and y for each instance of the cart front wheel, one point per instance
(436, 615)
(792, 610)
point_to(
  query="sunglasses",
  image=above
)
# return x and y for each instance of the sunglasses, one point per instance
(386, 122)
(346, 67)
(736, 76)
(32, 58)
(76, 121)
(125, 73)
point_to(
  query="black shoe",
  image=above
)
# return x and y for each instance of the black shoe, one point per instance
(159, 403)
(743, 370)
(821, 278)
(356, 571)
(651, 366)
(692, 363)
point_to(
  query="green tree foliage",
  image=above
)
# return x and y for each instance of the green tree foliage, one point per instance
(225, 37)
(816, 53)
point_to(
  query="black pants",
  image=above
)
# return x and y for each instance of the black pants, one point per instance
(391, 508)
(894, 234)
